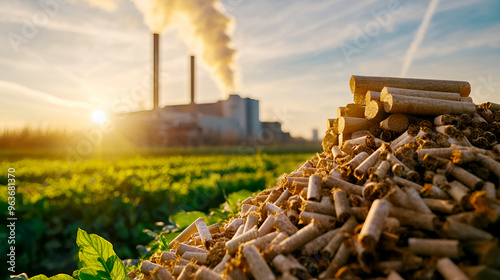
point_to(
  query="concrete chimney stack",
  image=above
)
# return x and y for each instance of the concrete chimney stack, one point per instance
(192, 79)
(156, 58)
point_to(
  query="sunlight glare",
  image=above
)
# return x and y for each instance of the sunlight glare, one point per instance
(98, 116)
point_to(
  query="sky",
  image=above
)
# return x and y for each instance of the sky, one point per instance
(62, 59)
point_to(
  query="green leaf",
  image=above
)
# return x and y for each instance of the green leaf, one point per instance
(98, 259)
(163, 242)
(184, 219)
(90, 274)
(43, 277)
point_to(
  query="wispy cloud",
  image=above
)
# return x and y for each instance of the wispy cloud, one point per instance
(422, 29)
(16, 89)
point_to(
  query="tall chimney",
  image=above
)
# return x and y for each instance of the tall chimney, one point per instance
(156, 57)
(192, 79)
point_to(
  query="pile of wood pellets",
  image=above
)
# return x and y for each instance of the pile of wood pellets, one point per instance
(406, 187)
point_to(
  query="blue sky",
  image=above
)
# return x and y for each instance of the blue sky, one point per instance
(291, 56)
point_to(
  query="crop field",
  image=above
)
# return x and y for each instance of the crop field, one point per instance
(126, 201)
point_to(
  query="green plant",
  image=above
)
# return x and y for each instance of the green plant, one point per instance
(120, 199)
(97, 258)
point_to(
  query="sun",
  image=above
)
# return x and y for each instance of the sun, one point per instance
(98, 116)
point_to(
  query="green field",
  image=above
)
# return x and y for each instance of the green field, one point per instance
(120, 199)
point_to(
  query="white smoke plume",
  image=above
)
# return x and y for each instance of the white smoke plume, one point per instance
(206, 26)
(422, 29)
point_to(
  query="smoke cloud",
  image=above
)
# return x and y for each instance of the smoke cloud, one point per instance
(204, 26)
(207, 27)
(422, 29)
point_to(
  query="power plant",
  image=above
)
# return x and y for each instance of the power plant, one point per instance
(229, 121)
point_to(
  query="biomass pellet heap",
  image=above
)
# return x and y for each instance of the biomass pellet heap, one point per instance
(407, 187)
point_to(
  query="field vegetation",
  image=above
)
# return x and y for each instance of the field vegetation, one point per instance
(128, 201)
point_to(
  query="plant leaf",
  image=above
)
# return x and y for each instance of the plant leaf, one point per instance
(98, 259)
(163, 243)
(184, 219)
(43, 277)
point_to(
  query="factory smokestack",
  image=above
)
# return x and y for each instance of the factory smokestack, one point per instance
(156, 58)
(192, 79)
(205, 28)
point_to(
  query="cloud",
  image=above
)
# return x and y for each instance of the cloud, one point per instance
(107, 5)
(422, 29)
(11, 88)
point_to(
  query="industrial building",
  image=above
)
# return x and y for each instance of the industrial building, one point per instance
(229, 121)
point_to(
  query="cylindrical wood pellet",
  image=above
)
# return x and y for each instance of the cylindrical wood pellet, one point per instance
(453, 96)
(372, 95)
(359, 98)
(283, 198)
(325, 221)
(465, 232)
(395, 122)
(271, 209)
(350, 188)
(354, 110)
(204, 232)
(200, 258)
(283, 223)
(350, 124)
(340, 112)
(372, 228)
(318, 243)
(158, 272)
(314, 188)
(375, 111)
(459, 192)
(267, 226)
(362, 168)
(205, 273)
(340, 259)
(222, 264)
(450, 270)
(168, 256)
(318, 207)
(442, 205)
(381, 171)
(416, 202)
(188, 270)
(301, 237)
(263, 241)
(491, 164)
(187, 248)
(362, 84)
(435, 247)
(391, 225)
(342, 207)
(258, 266)
(252, 221)
(415, 219)
(424, 106)
(232, 245)
(185, 234)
